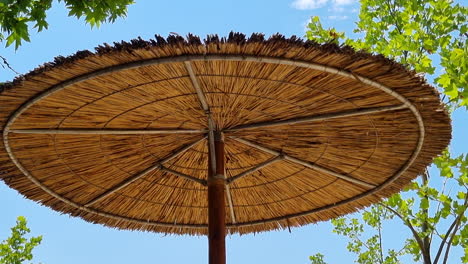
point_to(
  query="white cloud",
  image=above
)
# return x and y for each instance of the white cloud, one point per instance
(338, 17)
(314, 4)
(308, 4)
(336, 9)
(343, 2)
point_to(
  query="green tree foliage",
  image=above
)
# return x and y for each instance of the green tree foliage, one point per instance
(18, 16)
(415, 33)
(17, 248)
(422, 35)
(435, 218)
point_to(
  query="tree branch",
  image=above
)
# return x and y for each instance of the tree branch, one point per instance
(425, 224)
(413, 231)
(438, 207)
(457, 226)
(353, 235)
(5, 63)
(442, 244)
(380, 243)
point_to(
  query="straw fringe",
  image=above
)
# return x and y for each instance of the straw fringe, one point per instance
(68, 164)
(191, 41)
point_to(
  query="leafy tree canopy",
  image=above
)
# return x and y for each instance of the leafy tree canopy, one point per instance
(17, 248)
(16, 16)
(416, 33)
(422, 35)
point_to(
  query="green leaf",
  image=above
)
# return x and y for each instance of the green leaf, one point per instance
(424, 204)
(444, 80)
(461, 195)
(317, 259)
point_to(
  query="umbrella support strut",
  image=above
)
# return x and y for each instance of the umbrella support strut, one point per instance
(216, 206)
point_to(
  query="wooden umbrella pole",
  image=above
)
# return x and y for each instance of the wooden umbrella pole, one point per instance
(216, 207)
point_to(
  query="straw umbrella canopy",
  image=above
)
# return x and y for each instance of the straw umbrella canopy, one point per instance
(252, 134)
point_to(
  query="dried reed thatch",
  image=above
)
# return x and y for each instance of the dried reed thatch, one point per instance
(118, 137)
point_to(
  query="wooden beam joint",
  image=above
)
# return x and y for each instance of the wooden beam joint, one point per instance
(305, 163)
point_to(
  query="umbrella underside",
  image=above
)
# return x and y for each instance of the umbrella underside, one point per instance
(124, 142)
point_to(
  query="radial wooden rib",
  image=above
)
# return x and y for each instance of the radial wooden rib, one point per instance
(196, 85)
(211, 144)
(254, 169)
(206, 108)
(211, 129)
(231, 206)
(128, 181)
(182, 175)
(311, 118)
(304, 163)
(104, 131)
(228, 190)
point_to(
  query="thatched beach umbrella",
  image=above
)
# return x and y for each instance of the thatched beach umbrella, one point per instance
(227, 135)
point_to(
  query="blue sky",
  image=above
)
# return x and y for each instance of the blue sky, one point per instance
(71, 240)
